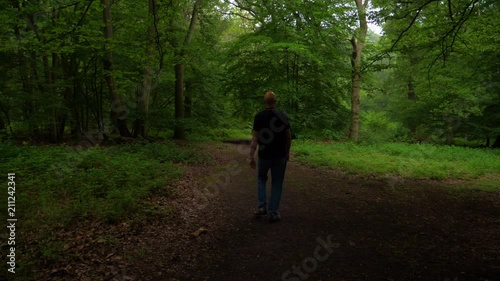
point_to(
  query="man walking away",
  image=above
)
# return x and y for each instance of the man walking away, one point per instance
(271, 131)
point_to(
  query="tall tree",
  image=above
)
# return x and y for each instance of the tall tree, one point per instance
(180, 47)
(25, 69)
(358, 43)
(118, 110)
(144, 91)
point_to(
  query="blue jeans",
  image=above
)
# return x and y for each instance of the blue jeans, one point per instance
(278, 167)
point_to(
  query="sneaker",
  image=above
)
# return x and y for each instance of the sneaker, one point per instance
(274, 217)
(261, 212)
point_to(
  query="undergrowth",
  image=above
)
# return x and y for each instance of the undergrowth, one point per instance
(416, 161)
(56, 185)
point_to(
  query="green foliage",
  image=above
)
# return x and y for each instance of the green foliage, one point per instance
(165, 152)
(298, 51)
(376, 127)
(437, 84)
(229, 128)
(415, 161)
(442, 82)
(58, 185)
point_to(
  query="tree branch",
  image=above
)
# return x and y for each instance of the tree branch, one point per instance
(450, 11)
(444, 47)
(192, 23)
(237, 4)
(454, 30)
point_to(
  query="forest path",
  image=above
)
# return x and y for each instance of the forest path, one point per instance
(377, 229)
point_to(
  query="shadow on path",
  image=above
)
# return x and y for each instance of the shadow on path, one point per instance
(344, 227)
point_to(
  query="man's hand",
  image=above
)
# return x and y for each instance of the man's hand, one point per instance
(252, 163)
(288, 143)
(253, 147)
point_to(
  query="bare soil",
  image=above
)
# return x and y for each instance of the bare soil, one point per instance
(381, 229)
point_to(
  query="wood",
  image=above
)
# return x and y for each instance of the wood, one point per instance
(179, 132)
(144, 92)
(358, 43)
(118, 111)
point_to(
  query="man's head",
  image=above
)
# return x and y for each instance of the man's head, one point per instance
(270, 99)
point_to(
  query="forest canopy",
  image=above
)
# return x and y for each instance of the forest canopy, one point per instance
(90, 70)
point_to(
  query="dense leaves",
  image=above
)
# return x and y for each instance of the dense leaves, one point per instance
(442, 82)
(298, 50)
(431, 76)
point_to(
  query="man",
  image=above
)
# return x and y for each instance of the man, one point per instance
(271, 131)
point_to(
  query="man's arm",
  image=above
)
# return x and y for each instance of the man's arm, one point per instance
(288, 143)
(253, 148)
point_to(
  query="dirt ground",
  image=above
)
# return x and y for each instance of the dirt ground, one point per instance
(334, 227)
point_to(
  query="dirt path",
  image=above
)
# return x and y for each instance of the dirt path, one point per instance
(335, 227)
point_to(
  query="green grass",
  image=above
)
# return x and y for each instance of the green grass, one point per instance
(238, 133)
(220, 134)
(57, 185)
(417, 161)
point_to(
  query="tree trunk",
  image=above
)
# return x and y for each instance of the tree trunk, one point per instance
(24, 71)
(75, 104)
(144, 92)
(179, 132)
(50, 79)
(496, 144)
(358, 43)
(118, 110)
(355, 104)
(70, 70)
(75, 89)
(62, 113)
(188, 99)
(450, 139)
(7, 118)
(2, 124)
(411, 89)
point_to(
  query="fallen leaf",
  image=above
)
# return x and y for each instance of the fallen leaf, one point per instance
(200, 231)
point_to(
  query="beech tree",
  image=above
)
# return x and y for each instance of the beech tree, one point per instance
(358, 44)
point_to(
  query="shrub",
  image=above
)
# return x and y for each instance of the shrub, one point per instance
(377, 128)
